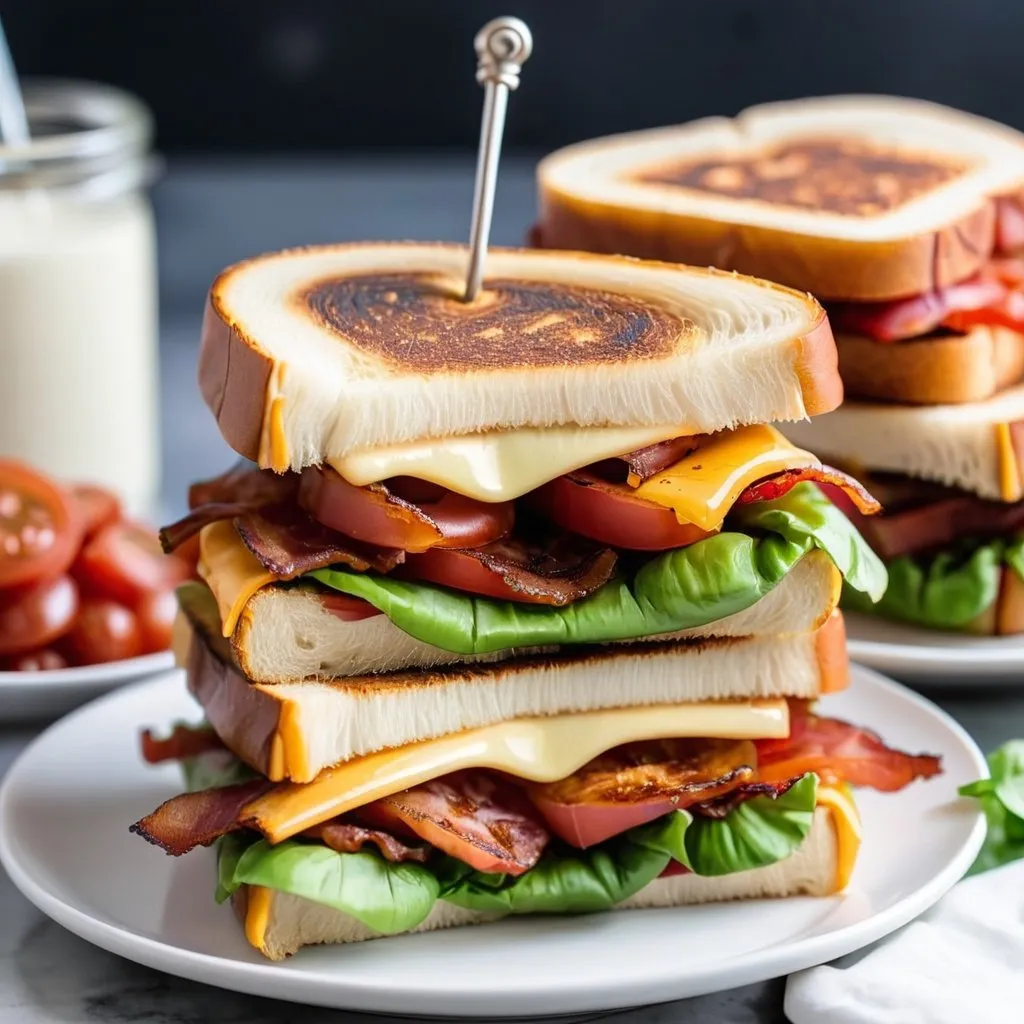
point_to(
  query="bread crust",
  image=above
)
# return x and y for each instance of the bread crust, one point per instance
(935, 370)
(832, 269)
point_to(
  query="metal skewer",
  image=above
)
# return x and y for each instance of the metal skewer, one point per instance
(502, 46)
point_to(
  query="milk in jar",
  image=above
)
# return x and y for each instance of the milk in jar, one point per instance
(78, 323)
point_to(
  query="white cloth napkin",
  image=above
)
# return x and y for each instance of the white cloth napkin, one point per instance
(962, 962)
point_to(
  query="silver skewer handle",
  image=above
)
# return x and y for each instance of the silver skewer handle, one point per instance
(502, 47)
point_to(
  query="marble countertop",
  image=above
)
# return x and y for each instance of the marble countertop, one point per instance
(210, 214)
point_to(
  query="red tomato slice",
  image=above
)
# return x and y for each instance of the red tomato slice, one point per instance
(460, 571)
(348, 609)
(125, 562)
(429, 517)
(104, 631)
(33, 616)
(612, 514)
(40, 529)
(46, 660)
(156, 612)
(97, 506)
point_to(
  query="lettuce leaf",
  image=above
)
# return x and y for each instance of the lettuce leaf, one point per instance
(946, 590)
(1002, 799)
(679, 589)
(389, 898)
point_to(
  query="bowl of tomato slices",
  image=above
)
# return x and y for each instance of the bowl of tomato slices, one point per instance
(86, 594)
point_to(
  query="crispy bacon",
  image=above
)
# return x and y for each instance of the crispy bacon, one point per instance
(556, 568)
(199, 819)
(346, 837)
(243, 488)
(720, 806)
(288, 542)
(993, 296)
(184, 741)
(638, 782)
(645, 462)
(839, 752)
(480, 818)
(776, 486)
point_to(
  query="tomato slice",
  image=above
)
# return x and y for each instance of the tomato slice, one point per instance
(34, 615)
(45, 660)
(125, 562)
(97, 507)
(612, 514)
(103, 631)
(40, 529)
(156, 612)
(410, 515)
(460, 571)
(348, 609)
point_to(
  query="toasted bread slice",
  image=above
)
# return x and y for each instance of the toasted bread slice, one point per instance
(850, 197)
(972, 446)
(278, 924)
(285, 634)
(311, 354)
(295, 730)
(944, 369)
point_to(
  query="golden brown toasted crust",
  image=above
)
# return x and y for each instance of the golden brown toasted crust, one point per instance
(935, 370)
(828, 268)
(233, 377)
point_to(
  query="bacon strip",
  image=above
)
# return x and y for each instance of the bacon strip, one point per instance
(199, 819)
(479, 818)
(839, 752)
(645, 462)
(288, 542)
(184, 741)
(346, 837)
(776, 486)
(720, 806)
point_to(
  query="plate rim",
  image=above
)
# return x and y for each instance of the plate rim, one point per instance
(132, 669)
(318, 988)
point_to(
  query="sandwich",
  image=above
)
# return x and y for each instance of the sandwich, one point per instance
(906, 219)
(517, 606)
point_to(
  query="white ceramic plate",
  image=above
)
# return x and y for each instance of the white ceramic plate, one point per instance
(929, 658)
(31, 696)
(83, 779)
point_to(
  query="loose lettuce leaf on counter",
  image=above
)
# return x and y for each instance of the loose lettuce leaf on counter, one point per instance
(679, 589)
(1002, 799)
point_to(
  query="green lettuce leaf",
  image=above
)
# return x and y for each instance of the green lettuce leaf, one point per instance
(947, 590)
(677, 590)
(389, 898)
(759, 832)
(1002, 799)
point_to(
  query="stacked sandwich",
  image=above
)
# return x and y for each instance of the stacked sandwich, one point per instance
(519, 605)
(905, 219)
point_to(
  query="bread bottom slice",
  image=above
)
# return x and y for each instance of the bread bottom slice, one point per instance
(948, 369)
(279, 924)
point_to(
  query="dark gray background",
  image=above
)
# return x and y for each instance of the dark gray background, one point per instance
(344, 75)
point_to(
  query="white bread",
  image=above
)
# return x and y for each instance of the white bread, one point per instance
(877, 227)
(293, 922)
(305, 358)
(284, 633)
(966, 446)
(301, 728)
(938, 369)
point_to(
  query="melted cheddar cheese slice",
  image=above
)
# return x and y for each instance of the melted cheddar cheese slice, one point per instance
(703, 486)
(537, 749)
(231, 571)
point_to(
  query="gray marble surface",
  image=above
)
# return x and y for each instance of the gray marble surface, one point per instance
(211, 214)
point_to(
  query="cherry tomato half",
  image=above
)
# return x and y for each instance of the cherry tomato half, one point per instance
(40, 529)
(34, 615)
(45, 660)
(97, 507)
(103, 631)
(125, 562)
(156, 612)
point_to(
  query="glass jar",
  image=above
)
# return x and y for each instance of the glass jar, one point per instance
(78, 291)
